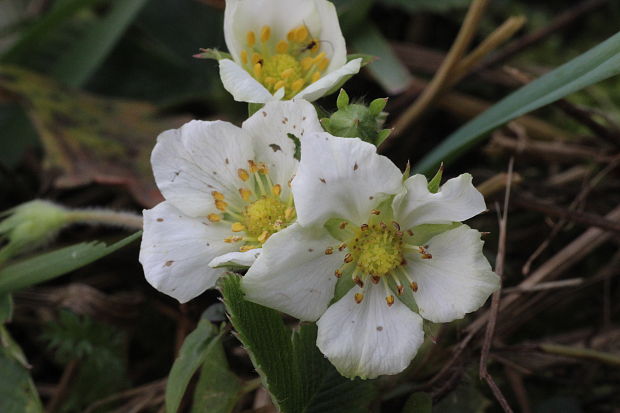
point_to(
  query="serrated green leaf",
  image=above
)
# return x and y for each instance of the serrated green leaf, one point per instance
(218, 389)
(390, 72)
(419, 403)
(299, 378)
(595, 65)
(50, 265)
(17, 391)
(195, 349)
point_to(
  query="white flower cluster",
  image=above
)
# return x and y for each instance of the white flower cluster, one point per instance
(339, 237)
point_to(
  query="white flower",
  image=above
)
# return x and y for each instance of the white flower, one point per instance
(283, 49)
(227, 191)
(392, 252)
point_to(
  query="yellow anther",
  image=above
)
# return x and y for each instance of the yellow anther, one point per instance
(301, 33)
(280, 84)
(243, 174)
(232, 239)
(319, 57)
(250, 38)
(244, 57)
(262, 168)
(288, 214)
(217, 195)
(400, 289)
(297, 85)
(316, 76)
(348, 258)
(269, 81)
(307, 62)
(282, 46)
(221, 205)
(253, 166)
(237, 227)
(359, 297)
(290, 36)
(256, 57)
(265, 34)
(414, 286)
(248, 248)
(375, 212)
(245, 193)
(389, 300)
(276, 189)
(258, 69)
(338, 273)
(329, 251)
(214, 217)
(285, 74)
(263, 236)
(343, 225)
(323, 64)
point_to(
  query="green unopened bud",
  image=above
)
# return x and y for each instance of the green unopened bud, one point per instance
(30, 225)
(356, 120)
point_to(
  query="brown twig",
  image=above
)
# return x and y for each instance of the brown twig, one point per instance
(62, 389)
(458, 49)
(495, 301)
(560, 22)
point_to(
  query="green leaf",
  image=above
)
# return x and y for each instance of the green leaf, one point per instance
(47, 266)
(6, 308)
(77, 64)
(595, 65)
(435, 183)
(419, 403)
(299, 378)
(433, 6)
(218, 389)
(391, 74)
(253, 108)
(17, 391)
(193, 353)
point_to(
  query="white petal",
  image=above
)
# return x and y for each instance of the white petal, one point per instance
(293, 274)
(457, 200)
(327, 82)
(242, 86)
(332, 41)
(200, 157)
(369, 339)
(341, 178)
(236, 259)
(456, 280)
(269, 128)
(176, 250)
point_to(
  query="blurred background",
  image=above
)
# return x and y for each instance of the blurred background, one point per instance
(87, 85)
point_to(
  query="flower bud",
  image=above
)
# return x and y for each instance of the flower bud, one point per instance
(30, 225)
(356, 120)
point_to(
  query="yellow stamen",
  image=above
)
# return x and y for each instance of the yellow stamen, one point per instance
(252, 165)
(248, 248)
(258, 68)
(245, 193)
(297, 85)
(389, 300)
(414, 286)
(276, 189)
(348, 258)
(244, 57)
(323, 64)
(243, 174)
(217, 195)
(269, 81)
(329, 251)
(319, 57)
(251, 39)
(291, 35)
(316, 76)
(263, 236)
(338, 273)
(287, 73)
(237, 227)
(280, 84)
(301, 33)
(221, 205)
(265, 34)
(282, 46)
(359, 297)
(290, 211)
(232, 239)
(306, 62)
(214, 217)
(256, 57)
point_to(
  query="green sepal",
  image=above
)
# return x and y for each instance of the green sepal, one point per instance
(435, 183)
(383, 135)
(377, 106)
(254, 107)
(343, 99)
(212, 54)
(297, 142)
(407, 172)
(423, 233)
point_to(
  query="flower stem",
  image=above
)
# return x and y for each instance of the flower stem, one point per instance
(127, 220)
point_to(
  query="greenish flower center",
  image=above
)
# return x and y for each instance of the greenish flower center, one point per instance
(266, 215)
(377, 250)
